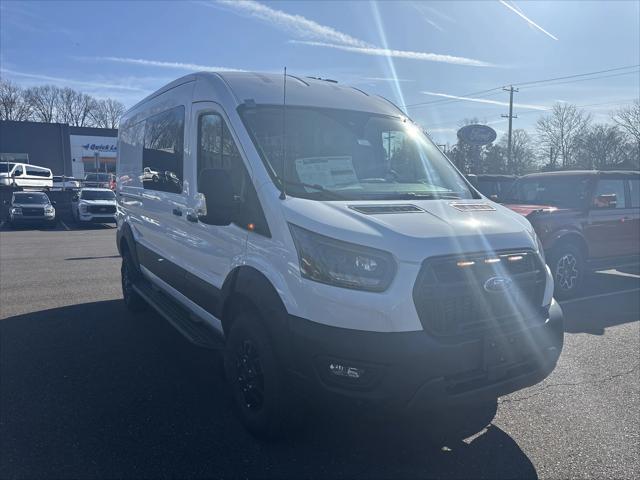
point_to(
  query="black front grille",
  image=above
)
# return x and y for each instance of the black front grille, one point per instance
(32, 211)
(455, 295)
(102, 209)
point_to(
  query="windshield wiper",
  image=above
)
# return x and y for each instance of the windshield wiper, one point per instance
(315, 186)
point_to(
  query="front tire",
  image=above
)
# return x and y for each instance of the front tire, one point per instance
(129, 275)
(256, 378)
(569, 270)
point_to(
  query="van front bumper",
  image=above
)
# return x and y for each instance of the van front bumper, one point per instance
(415, 370)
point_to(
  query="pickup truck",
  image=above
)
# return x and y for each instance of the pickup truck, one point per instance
(586, 221)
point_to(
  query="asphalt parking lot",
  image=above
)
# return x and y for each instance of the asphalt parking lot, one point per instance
(89, 391)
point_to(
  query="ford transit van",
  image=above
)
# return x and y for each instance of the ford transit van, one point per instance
(328, 247)
(25, 176)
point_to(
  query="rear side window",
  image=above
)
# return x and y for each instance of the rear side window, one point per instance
(162, 156)
(38, 172)
(217, 149)
(634, 192)
(609, 193)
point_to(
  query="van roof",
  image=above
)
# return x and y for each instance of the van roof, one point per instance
(267, 89)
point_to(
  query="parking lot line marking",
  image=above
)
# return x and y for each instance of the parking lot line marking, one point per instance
(619, 292)
(65, 226)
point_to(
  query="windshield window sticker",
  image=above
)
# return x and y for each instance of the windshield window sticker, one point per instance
(327, 172)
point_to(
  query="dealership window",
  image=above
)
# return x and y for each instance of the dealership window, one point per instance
(162, 156)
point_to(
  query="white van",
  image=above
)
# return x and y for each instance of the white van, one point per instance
(328, 246)
(25, 176)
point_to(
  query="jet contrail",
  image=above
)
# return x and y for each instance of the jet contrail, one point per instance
(484, 100)
(529, 21)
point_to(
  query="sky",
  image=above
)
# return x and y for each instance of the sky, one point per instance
(429, 57)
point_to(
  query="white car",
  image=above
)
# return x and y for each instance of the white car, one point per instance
(329, 247)
(65, 183)
(94, 205)
(25, 176)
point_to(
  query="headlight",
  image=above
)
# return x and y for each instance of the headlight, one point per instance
(48, 210)
(16, 211)
(342, 264)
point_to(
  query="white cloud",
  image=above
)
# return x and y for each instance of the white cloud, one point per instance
(319, 35)
(173, 65)
(297, 24)
(387, 52)
(526, 19)
(71, 81)
(484, 100)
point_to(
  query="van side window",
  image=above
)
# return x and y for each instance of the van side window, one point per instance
(217, 149)
(38, 172)
(18, 171)
(162, 155)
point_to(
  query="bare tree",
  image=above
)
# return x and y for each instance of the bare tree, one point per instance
(75, 108)
(522, 156)
(44, 103)
(561, 131)
(628, 118)
(601, 146)
(107, 113)
(13, 105)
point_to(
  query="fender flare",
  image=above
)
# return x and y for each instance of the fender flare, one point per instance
(125, 235)
(246, 283)
(569, 235)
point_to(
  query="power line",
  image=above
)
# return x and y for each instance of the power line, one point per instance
(533, 82)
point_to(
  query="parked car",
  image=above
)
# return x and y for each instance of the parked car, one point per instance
(94, 205)
(25, 176)
(65, 183)
(99, 180)
(352, 261)
(32, 208)
(586, 220)
(492, 186)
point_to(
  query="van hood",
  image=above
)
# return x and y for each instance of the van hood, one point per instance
(439, 227)
(98, 202)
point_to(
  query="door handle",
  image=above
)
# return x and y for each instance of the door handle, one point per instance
(177, 212)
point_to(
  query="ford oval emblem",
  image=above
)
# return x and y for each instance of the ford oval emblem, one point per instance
(498, 284)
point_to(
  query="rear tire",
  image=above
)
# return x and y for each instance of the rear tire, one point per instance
(257, 380)
(129, 275)
(569, 270)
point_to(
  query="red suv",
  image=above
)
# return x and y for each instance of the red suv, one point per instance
(586, 220)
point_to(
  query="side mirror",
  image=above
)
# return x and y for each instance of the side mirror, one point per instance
(215, 185)
(608, 200)
(493, 197)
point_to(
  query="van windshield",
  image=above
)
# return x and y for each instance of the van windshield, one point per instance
(6, 167)
(343, 154)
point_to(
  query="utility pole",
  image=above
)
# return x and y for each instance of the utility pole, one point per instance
(511, 116)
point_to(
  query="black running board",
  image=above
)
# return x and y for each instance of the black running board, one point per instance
(197, 332)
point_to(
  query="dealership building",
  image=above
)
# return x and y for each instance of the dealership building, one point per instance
(66, 150)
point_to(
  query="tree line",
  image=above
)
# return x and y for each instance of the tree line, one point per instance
(52, 104)
(565, 138)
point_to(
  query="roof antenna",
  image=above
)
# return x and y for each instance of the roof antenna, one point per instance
(283, 193)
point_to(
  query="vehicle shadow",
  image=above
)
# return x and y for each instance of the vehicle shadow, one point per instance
(92, 391)
(610, 299)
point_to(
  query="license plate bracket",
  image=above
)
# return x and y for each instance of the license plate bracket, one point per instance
(500, 352)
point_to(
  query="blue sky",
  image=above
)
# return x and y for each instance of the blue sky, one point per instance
(410, 52)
